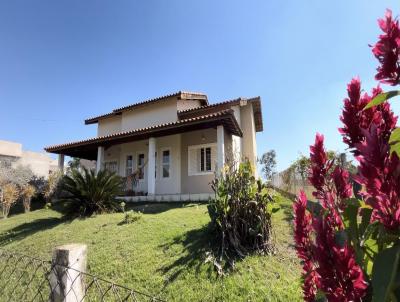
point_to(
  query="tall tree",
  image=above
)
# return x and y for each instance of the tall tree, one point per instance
(268, 162)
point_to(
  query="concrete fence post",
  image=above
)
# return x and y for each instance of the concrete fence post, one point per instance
(66, 281)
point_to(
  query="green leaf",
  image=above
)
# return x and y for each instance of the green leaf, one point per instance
(350, 221)
(380, 98)
(384, 273)
(365, 219)
(395, 136)
(394, 141)
(395, 148)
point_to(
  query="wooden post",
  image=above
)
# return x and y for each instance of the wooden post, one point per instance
(66, 280)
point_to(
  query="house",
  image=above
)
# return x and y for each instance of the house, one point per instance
(176, 142)
(12, 155)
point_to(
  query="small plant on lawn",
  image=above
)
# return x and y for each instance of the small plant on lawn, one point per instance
(10, 194)
(87, 193)
(241, 212)
(27, 192)
(132, 216)
(350, 246)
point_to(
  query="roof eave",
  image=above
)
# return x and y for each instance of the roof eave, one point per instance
(226, 117)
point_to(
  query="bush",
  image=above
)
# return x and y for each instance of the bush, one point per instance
(27, 192)
(131, 217)
(10, 196)
(87, 193)
(241, 212)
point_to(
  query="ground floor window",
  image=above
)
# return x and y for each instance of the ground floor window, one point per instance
(166, 163)
(140, 165)
(129, 165)
(111, 166)
(201, 159)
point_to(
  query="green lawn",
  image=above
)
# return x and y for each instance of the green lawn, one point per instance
(163, 253)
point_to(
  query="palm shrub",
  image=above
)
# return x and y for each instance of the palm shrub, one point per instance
(10, 194)
(27, 192)
(87, 193)
(241, 212)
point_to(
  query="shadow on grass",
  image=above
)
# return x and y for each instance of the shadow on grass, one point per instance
(29, 228)
(156, 207)
(196, 243)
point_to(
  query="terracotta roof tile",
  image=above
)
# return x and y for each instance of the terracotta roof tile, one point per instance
(183, 94)
(222, 113)
(255, 100)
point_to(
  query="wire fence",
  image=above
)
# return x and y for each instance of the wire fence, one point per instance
(292, 183)
(26, 278)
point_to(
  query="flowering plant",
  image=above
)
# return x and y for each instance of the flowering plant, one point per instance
(349, 240)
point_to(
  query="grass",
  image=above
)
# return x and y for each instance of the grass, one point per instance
(163, 253)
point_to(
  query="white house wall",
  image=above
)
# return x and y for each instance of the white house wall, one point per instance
(109, 126)
(39, 163)
(195, 183)
(185, 105)
(150, 115)
(249, 145)
(172, 184)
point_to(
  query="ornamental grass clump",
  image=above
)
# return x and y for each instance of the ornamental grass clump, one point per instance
(241, 212)
(27, 192)
(349, 242)
(10, 195)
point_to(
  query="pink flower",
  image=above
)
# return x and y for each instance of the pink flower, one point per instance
(341, 278)
(387, 50)
(355, 118)
(319, 164)
(367, 133)
(341, 179)
(302, 238)
(379, 172)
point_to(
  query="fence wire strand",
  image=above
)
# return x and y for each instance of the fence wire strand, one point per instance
(26, 278)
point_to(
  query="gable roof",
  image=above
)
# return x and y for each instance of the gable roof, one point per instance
(256, 101)
(184, 95)
(87, 148)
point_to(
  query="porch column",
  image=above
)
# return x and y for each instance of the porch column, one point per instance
(220, 148)
(151, 181)
(100, 158)
(61, 160)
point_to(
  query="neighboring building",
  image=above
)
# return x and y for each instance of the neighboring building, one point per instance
(12, 155)
(176, 141)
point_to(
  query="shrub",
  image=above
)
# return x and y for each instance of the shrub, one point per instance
(241, 212)
(88, 193)
(349, 243)
(10, 194)
(131, 217)
(27, 192)
(52, 185)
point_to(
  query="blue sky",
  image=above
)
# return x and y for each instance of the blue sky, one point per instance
(64, 61)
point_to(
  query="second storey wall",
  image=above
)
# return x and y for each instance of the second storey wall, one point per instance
(150, 115)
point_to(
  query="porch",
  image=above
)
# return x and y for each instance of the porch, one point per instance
(199, 197)
(176, 162)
